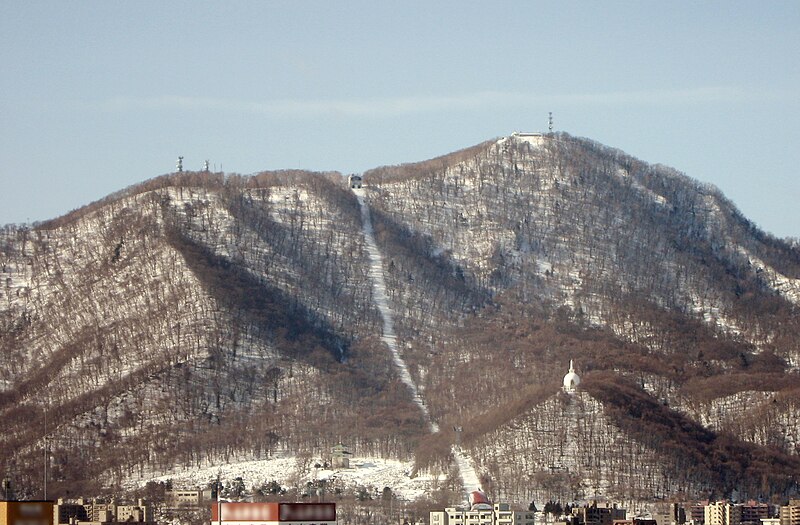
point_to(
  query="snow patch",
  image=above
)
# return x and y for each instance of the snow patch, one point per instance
(532, 138)
(653, 196)
(289, 471)
(787, 287)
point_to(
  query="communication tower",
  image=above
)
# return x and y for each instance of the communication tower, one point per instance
(205, 166)
(179, 165)
(550, 122)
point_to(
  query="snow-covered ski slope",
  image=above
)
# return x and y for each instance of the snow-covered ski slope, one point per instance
(465, 465)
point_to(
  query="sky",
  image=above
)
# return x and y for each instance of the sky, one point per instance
(96, 96)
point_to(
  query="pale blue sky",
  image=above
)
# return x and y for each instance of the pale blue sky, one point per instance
(96, 96)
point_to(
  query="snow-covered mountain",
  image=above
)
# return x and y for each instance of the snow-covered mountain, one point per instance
(199, 317)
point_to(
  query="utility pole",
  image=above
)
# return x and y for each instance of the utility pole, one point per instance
(45, 452)
(219, 505)
(6, 488)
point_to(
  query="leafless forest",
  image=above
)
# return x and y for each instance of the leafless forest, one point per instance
(198, 317)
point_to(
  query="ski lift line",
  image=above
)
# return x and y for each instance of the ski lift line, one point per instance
(464, 464)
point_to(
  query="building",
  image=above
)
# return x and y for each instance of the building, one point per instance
(598, 514)
(340, 456)
(354, 181)
(497, 514)
(753, 513)
(99, 512)
(697, 513)
(532, 138)
(790, 514)
(139, 513)
(571, 380)
(723, 513)
(271, 513)
(95, 512)
(482, 512)
(670, 514)
(636, 521)
(73, 512)
(188, 498)
(662, 518)
(26, 513)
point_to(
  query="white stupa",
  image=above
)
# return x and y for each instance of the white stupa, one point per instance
(571, 380)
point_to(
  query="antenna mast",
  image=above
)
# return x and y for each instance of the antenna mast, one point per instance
(550, 122)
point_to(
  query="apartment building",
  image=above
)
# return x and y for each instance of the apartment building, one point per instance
(723, 513)
(84, 512)
(598, 514)
(790, 514)
(496, 514)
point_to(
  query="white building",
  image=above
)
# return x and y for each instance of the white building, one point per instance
(571, 380)
(532, 138)
(497, 514)
(482, 512)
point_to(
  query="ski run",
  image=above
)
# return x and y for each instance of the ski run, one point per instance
(469, 477)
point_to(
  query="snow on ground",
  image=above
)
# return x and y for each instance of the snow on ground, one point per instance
(653, 196)
(787, 287)
(533, 138)
(710, 313)
(363, 472)
(468, 476)
(382, 302)
(466, 467)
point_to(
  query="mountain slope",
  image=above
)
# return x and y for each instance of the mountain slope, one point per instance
(197, 317)
(581, 251)
(175, 325)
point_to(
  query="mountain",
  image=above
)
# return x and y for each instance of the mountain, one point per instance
(199, 317)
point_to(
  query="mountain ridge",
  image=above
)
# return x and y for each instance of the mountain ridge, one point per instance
(200, 315)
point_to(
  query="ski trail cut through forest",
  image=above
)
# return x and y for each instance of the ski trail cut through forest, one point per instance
(465, 466)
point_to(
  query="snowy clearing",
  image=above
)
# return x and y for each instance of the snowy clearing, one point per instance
(363, 472)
